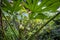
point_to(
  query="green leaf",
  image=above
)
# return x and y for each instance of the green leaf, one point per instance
(7, 5)
(16, 6)
(36, 8)
(37, 16)
(53, 7)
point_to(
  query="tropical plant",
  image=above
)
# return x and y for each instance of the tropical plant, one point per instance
(24, 19)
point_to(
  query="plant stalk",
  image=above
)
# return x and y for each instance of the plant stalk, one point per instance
(33, 35)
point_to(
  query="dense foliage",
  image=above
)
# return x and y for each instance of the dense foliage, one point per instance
(31, 19)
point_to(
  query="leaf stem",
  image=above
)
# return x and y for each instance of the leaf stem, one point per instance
(30, 38)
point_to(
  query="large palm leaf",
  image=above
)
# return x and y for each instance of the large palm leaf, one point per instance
(13, 6)
(38, 6)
